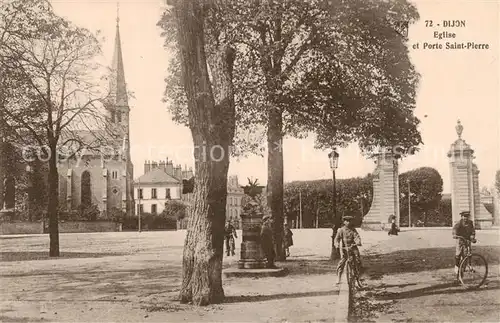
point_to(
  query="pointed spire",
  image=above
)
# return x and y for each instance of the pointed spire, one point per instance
(118, 88)
(117, 14)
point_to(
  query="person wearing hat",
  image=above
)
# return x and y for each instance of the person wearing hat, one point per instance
(463, 228)
(349, 237)
(266, 240)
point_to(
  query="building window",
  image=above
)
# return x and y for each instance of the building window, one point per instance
(153, 208)
(153, 193)
(139, 193)
(114, 174)
(113, 116)
(140, 209)
(86, 198)
(167, 193)
(119, 116)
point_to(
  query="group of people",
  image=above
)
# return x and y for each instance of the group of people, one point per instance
(347, 238)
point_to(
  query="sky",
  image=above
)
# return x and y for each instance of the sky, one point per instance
(455, 84)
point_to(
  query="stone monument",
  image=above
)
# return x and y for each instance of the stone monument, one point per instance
(252, 262)
(465, 183)
(385, 193)
(251, 254)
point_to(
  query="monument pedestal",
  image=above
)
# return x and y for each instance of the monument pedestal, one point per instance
(251, 254)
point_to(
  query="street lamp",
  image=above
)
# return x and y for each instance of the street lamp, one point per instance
(29, 191)
(409, 203)
(333, 156)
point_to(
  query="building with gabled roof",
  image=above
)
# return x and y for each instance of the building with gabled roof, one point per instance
(161, 183)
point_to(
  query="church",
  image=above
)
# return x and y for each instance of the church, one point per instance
(92, 179)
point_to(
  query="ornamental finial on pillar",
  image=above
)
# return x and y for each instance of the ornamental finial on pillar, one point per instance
(459, 129)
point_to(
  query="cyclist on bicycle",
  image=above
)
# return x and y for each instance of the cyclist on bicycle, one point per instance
(351, 239)
(465, 229)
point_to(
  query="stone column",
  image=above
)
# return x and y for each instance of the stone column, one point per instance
(385, 193)
(465, 184)
(104, 189)
(496, 208)
(251, 255)
(124, 190)
(69, 189)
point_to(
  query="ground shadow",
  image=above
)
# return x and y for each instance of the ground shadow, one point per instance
(298, 267)
(39, 255)
(263, 298)
(104, 285)
(417, 260)
(20, 319)
(441, 289)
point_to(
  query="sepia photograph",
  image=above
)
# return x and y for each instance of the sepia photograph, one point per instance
(249, 161)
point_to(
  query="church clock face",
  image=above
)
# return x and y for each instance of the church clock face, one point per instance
(115, 190)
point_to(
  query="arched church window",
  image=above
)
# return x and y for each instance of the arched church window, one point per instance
(119, 116)
(86, 189)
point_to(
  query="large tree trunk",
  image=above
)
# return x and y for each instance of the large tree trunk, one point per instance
(275, 177)
(212, 123)
(53, 204)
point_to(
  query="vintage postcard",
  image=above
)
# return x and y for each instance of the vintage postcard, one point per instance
(249, 161)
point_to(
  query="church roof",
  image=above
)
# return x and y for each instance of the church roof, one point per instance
(157, 176)
(94, 141)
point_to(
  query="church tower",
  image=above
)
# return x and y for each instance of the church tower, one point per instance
(117, 107)
(118, 113)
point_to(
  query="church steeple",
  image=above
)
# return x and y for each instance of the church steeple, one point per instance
(117, 86)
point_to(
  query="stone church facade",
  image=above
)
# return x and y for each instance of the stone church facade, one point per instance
(103, 177)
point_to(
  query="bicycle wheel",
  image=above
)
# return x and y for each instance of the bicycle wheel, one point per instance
(356, 276)
(353, 277)
(473, 271)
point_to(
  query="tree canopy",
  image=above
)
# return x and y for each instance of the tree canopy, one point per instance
(49, 88)
(339, 70)
(426, 188)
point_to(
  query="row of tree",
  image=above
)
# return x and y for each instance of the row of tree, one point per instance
(354, 197)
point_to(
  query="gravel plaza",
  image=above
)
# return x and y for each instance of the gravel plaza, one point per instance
(135, 277)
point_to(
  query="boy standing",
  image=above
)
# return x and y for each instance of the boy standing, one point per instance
(350, 238)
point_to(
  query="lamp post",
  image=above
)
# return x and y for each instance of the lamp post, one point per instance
(139, 191)
(333, 156)
(409, 203)
(30, 191)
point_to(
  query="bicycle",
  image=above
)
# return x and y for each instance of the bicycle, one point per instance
(473, 268)
(351, 268)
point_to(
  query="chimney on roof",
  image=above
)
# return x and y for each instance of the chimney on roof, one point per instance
(178, 172)
(162, 166)
(169, 168)
(147, 167)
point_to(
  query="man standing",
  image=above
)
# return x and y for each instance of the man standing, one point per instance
(464, 229)
(230, 234)
(266, 240)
